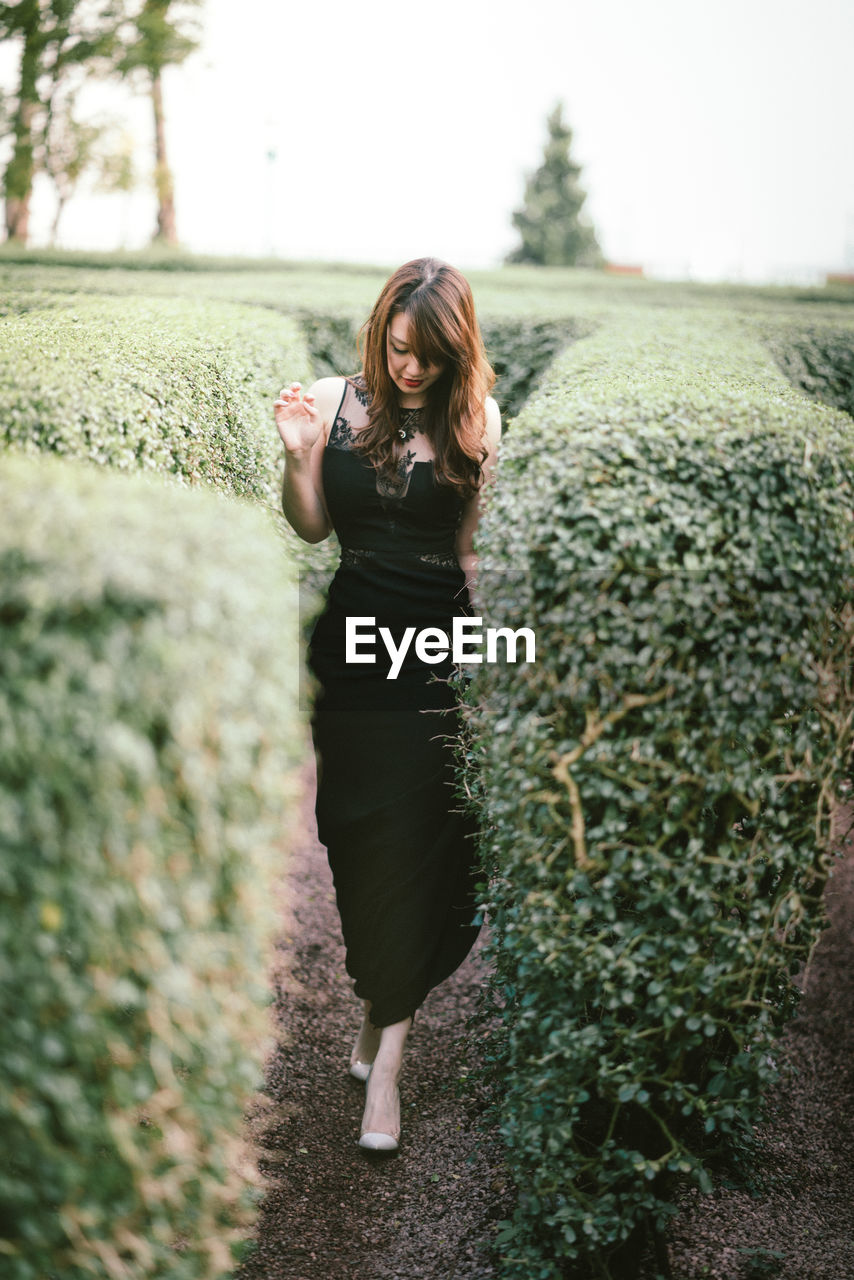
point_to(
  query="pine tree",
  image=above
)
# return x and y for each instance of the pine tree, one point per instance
(552, 232)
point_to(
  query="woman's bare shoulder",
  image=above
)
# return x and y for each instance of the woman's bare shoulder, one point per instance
(327, 394)
(493, 421)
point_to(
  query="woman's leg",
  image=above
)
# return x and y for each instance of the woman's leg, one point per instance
(382, 1100)
(367, 1041)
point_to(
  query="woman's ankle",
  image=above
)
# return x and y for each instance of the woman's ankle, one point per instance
(367, 1042)
(392, 1046)
(382, 1105)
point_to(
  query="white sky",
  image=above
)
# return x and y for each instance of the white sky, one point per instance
(717, 140)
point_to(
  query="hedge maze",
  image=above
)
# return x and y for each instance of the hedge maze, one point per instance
(675, 523)
(673, 518)
(148, 742)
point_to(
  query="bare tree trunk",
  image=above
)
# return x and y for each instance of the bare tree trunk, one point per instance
(166, 230)
(18, 179)
(54, 231)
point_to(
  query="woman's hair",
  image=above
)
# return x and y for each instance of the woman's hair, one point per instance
(443, 330)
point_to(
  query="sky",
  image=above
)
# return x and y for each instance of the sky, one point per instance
(716, 141)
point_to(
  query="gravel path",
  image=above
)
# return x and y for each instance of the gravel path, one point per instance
(802, 1226)
(429, 1213)
(334, 1213)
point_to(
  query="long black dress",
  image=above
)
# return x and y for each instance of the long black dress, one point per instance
(400, 848)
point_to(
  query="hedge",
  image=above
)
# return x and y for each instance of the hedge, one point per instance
(518, 349)
(170, 385)
(148, 673)
(284, 291)
(281, 284)
(601, 807)
(816, 355)
(674, 522)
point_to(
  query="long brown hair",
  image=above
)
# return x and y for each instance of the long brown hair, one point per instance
(443, 330)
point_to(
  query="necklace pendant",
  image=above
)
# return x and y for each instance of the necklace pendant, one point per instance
(410, 422)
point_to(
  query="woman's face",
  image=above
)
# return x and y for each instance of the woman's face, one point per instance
(411, 378)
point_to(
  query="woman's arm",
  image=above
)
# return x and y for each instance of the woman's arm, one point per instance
(474, 506)
(304, 425)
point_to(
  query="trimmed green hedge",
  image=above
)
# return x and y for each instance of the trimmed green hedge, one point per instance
(519, 349)
(280, 283)
(653, 504)
(675, 523)
(148, 677)
(284, 291)
(168, 385)
(817, 356)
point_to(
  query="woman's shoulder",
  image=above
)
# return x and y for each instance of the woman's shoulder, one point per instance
(331, 390)
(493, 420)
(328, 393)
(360, 388)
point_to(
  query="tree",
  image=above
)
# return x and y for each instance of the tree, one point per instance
(73, 146)
(161, 37)
(68, 152)
(117, 172)
(549, 223)
(56, 36)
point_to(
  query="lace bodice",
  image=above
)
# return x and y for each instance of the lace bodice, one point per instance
(374, 513)
(352, 417)
(398, 556)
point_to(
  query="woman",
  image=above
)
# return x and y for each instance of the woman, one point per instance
(395, 460)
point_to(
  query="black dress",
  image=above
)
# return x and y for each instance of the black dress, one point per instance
(401, 850)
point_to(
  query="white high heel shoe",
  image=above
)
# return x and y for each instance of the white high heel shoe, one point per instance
(360, 1070)
(378, 1142)
(373, 1140)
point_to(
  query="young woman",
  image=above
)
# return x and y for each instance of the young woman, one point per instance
(395, 460)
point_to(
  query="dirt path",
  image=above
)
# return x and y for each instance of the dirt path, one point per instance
(430, 1212)
(802, 1226)
(335, 1214)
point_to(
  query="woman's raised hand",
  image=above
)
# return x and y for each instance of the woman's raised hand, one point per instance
(297, 419)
